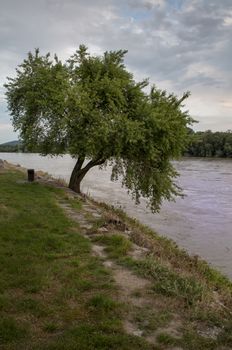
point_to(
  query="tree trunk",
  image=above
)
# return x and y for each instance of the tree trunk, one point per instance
(78, 173)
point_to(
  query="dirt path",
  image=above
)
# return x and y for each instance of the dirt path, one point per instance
(134, 291)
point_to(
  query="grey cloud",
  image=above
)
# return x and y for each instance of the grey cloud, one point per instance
(198, 35)
(163, 40)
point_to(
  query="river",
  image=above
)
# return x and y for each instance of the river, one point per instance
(201, 222)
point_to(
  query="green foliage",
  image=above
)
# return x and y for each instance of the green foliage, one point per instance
(210, 144)
(91, 107)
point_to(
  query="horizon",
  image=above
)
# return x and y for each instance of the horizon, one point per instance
(223, 131)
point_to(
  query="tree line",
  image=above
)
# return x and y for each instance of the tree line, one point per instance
(210, 144)
(9, 148)
(15, 146)
(201, 144)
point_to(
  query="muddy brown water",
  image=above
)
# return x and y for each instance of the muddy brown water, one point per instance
(201, 222)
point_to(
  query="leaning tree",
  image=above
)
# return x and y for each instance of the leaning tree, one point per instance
(93, 109)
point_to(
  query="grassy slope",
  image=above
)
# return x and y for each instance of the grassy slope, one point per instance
(55, 295)
(184, 289)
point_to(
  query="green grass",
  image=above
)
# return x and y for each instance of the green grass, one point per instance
(169, 254)
(150, 320)
(75, 203)
(183, 286)
(166, 339)
(168, 251)
(53, 293)
(169, 283)
(165, 281)
(11, 330)
(102, 303)
(116, 245)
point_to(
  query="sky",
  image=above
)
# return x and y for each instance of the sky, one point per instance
(180, 45)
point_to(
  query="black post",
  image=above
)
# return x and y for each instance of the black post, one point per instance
(30, 175)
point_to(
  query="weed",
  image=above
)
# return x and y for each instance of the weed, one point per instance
(11, 331)
(117, 245)
(32, 306)
(192, 341)
(102, 303)
(166, 339)
(150, 320)
(75, 203)
(50, 327)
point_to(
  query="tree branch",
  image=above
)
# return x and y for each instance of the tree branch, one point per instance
(93, 163)
(79, 163)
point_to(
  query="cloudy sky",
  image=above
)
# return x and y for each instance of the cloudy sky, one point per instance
(179, 44)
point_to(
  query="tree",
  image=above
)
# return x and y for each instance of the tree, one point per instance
(91, 108)
(210, 144)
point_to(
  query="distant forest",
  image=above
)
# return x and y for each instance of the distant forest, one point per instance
(210, 144)
(202, 144)
(14, 146)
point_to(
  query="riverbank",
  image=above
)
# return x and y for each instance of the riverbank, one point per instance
(81, 275)
(199, 223)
